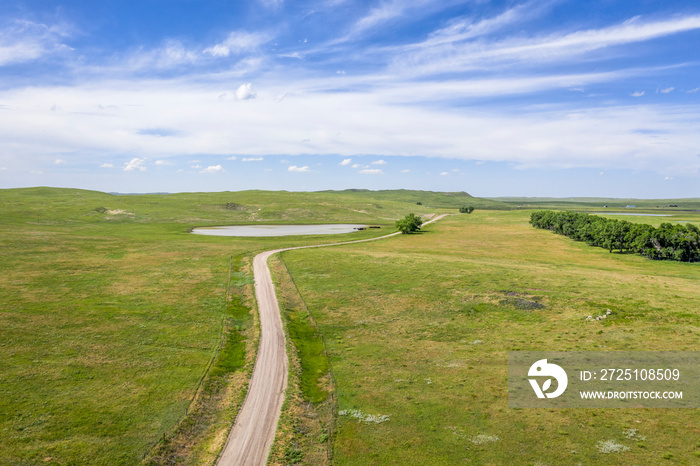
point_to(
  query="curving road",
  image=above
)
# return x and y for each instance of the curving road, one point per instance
(253, 432)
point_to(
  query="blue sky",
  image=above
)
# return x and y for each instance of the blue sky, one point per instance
(520, 98)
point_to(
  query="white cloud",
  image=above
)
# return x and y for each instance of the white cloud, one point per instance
(379, 162)
(444, 174)
(668, 178)
(163, 163)
(213, 169)
(172, 54)
(389, 11)
(59, 162)
(443, 56)
(372, 122)
(245, 92)
(447, 90)
(406, 171)
(692, 91)
(638, 93)
(237, 43)
(135, 164)
(371, 171)
(107, 165)
(23, 41)
(294, 168)
(464, 29)
(667, 90)
(379, 15)
(233, 157)
(345, 162)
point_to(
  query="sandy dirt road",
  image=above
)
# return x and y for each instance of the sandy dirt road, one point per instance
(254, 430)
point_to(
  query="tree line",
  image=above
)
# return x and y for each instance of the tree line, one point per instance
(667, 242)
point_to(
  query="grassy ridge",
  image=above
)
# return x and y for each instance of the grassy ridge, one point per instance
(47, 205)
(418, 330)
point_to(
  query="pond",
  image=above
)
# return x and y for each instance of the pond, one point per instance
(277, 230)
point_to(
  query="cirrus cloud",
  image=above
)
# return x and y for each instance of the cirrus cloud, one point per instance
(237, 42)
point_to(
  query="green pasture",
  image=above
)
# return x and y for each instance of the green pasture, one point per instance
(111, 311)
(418, 328)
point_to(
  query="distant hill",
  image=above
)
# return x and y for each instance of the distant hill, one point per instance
(60, 205)
(428, 198)
(586, 203)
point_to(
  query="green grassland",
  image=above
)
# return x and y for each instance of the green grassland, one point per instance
(111, 311)
(418, 329)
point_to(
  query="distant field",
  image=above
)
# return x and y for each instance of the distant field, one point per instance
(418, 329)
(598, 203)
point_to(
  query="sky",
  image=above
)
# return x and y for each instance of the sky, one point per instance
(496, 98)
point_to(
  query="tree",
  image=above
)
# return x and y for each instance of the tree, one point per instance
(466, 209)
(409, 224)
(667, 242)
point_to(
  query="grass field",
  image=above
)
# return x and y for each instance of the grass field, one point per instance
(112, 312)
(418, 329)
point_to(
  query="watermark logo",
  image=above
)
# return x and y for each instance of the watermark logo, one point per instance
(542, 368)
(604, 379)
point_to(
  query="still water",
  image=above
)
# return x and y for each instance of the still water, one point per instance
(277, 230)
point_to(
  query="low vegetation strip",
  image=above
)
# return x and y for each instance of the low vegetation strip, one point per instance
(667, 242)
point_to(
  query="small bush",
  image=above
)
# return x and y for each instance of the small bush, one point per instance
(292, 455)
(410, 224)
